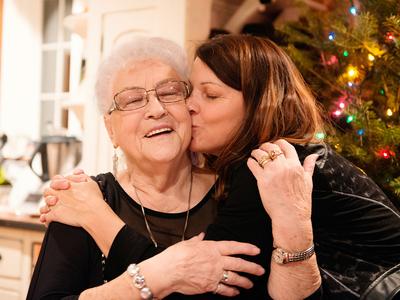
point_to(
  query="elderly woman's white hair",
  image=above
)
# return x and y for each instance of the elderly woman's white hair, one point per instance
(137, 49)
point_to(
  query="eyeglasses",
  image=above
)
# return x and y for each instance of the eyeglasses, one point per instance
(133, 98)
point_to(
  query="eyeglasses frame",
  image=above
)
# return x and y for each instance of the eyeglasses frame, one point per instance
(115, 106)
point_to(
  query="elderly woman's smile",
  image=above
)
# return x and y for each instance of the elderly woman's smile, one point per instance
(159, 131)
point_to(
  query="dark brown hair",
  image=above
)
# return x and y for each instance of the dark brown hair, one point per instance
(278, 103)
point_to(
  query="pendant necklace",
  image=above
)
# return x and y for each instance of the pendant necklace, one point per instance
(145, 217)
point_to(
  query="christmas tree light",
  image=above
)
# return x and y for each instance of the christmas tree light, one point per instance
(349, 119)
(362, 90)
(371, 57)
(352, 72)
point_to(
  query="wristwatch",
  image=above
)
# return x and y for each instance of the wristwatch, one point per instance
(281, 256)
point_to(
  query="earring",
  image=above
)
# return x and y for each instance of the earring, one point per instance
(115, 162)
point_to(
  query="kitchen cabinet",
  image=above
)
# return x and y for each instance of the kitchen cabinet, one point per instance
(20, 240)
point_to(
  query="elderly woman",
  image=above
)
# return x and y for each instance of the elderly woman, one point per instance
(160, 193)
(247, 91)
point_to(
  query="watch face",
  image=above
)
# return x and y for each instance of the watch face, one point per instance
(278, 256)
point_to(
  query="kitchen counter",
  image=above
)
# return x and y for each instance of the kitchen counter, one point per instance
(10, 219)
(13, 219)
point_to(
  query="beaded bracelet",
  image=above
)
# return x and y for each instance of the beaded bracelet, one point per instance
(139, 282)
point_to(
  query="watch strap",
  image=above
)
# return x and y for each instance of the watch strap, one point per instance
(282, 256)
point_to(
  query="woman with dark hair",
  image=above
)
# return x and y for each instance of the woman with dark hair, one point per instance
(247, 94)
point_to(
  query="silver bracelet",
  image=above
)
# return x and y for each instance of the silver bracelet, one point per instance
(139, 282)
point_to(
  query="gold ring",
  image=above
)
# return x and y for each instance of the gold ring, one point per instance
(274, 154)
(263, 160)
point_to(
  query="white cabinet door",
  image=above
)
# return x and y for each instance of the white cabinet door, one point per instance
(10, 258)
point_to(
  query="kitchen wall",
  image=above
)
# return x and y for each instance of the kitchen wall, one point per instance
(20, 68)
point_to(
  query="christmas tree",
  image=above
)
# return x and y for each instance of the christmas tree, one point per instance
(350, 55)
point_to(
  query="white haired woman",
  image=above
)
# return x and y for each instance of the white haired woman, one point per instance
(160, 193)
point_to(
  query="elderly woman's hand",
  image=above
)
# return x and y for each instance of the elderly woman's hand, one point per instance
(285, 187)
(189, 267)
(71, 202)
(197, 266)
(76, 200)
(58, 182)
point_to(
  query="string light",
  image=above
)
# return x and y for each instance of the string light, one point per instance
(345, 53)
(320, 135)
(352, 72)
(389, 36)
(360, 132)
(350, 84)
(337, 113)
(353, 10)
(332, 60)
(386, 153)
(331, 36)
(342, 105)
(350, 119)
(382, 91)
(371, 57)
(389, 112)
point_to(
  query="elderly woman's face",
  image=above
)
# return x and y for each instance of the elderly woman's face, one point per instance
(157, 132)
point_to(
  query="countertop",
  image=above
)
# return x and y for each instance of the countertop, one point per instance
(13, 220)
(22, 218)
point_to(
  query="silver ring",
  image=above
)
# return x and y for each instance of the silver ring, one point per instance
(217, 288)
(225, 276)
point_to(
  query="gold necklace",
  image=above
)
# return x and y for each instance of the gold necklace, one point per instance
(147, 223)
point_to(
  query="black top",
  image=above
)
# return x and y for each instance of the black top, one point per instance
(356, 230)
(356, 234)
(70, 261)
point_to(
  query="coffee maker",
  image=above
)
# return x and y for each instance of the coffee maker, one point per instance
(52, 155)
(57, 155)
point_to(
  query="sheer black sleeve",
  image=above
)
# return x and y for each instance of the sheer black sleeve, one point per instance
(128, 247)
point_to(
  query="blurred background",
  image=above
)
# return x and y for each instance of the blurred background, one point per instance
(348, 51)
